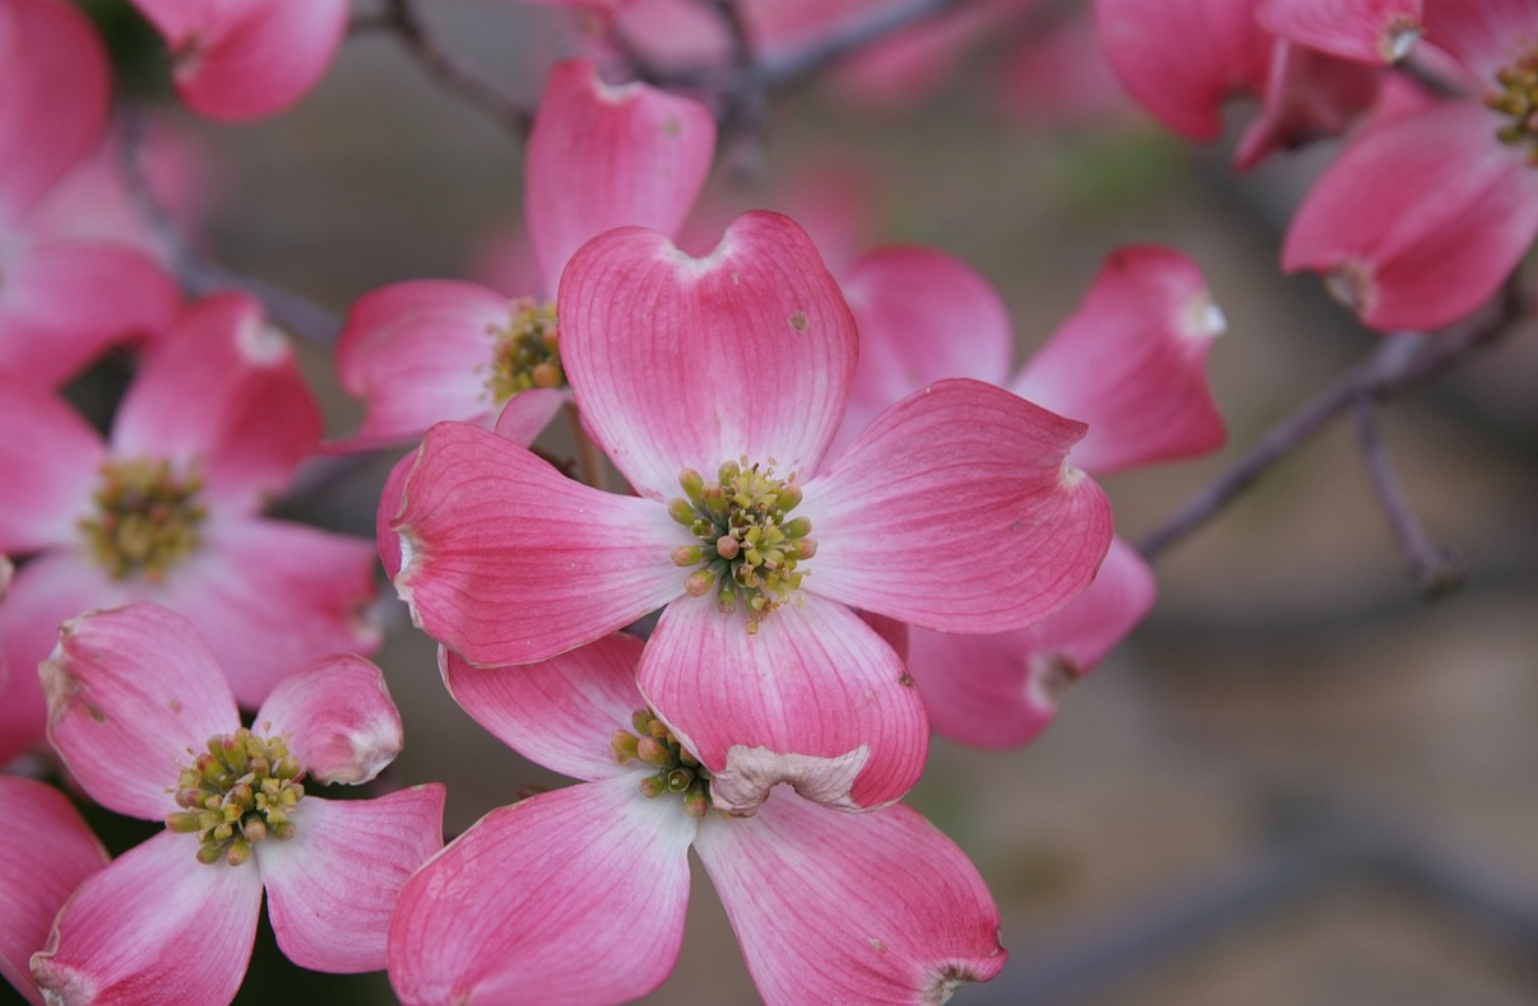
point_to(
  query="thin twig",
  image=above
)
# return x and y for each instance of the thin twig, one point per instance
(401, 16)
(1400, 362)
(1436, 569)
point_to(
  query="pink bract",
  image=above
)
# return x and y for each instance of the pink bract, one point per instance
(48, 850)
(217, 420)
(245, 59)
(139, 710)
(65, 294)
(685, 365)
(1131, 362)
(598, 157)
(873, 908)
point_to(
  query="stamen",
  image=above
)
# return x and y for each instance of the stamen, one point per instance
(148, 518)
(678, 771)
(241, 791)
(1516, 96)
(748, 547)
(526, 352)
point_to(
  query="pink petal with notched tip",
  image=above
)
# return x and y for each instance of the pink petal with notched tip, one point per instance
(681, 363)
(954, 510)
(332, 886)
(270, 596)
(245, 59)
(52, 461)
(1182, 59)
(417, 353)
(876, 908)
(505, 560)
(62, 303)
(223, 396)
(814, 698)
(157, 927)
(559, 712)
(1000, 691)
(132, 693)
(339, 718)
(1132, 363)
(571, 898)
(49, 589)
(1368, 31)
(57, 91)
(48, 850)
(602, 157)
(1419, 221)
(923, 316)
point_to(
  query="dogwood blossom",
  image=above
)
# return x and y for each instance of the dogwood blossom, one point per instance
(576, 897)
(1424, 216)
(716, 385)
(1130, 363)
(167, 510)
(143, 717)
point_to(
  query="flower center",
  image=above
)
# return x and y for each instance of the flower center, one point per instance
(1517, 97)
(525, 351)
(748, 547)
(678, 771)
(147, 518)
(242, 790)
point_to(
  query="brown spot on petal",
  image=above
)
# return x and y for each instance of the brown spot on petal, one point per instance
(798, 321)
(944, 984)
(905, 679)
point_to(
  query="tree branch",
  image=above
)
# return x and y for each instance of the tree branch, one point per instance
(401, 17)
(1436, 569)
(1400, 362)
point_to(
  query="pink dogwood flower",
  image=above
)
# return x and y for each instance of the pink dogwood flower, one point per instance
(716, 385)
(65, 292)
(1184, 59)
(1130, 363)
(1422, 218)
(141, 713)
(48, 850)
(576, 897)
(167, 510)
(599, 157)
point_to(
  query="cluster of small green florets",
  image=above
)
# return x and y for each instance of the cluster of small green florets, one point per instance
(147, 518)
(240, 791)
(1518, 97)
(678, 771)
(749, 546)
(527, 351)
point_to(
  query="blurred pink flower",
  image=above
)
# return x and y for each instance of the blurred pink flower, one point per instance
(1423, 217)
(167, 510)
(141, 714)
(1131, 363)
(716, 385)
(65, 292)
(576, 897)
(426, 350)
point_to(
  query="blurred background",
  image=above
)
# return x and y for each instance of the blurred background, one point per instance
(1297, 783)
